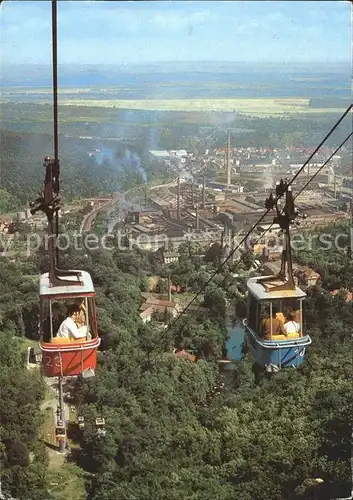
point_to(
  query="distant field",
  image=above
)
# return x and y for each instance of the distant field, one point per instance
(252, 107)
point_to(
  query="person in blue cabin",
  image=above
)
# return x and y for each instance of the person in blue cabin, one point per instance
(291, 326)
(271, 325)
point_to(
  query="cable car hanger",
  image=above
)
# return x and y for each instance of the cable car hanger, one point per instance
(49, 202)
(285, 217)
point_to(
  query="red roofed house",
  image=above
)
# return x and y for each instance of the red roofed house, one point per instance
(349, 294)
(153, 305)
(186, 355)
(305, 273)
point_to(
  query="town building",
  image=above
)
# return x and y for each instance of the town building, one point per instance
(153, 305)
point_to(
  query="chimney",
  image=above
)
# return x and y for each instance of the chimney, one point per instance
(178, 200)
(222, 235)
(233, 245)
(197, 218)
(334, 187)
(169, 289)
(192, 194)
(228, 159)
(146, 195)
(203, 192)
(265, 255)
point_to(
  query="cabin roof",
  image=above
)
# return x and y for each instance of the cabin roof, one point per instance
(260, 293)
(79, 290)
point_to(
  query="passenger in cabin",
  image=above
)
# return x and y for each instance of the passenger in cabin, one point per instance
(296, 313)
(68, 328)
(293, 308)
(80, 318)
(291, 326)
(274, 322)
(281, 317)
(57, 318)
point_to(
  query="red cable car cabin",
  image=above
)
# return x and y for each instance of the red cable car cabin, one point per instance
(65, 357)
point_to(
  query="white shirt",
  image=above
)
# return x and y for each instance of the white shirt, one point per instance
(291, 327)
(68, 329)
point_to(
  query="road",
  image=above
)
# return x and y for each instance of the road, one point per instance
(53, 403)
(87, 220)
(56, 458)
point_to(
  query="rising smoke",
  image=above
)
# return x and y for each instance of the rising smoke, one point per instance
(132, 161)
(121, 159)
(222, 118)
(104, 155)
(187, 176)
(267, 178)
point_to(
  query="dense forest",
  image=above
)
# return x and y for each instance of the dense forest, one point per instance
(21, 159)
(177, 429)
(330, 255)
(85, 173)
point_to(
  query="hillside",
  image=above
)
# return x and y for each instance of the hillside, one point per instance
(21, 160)
(176, 429)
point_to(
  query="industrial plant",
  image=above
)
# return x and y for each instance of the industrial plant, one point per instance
(199, 207)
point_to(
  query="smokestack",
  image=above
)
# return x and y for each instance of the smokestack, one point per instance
(169, 289)
(197, 217)
(192, 194)
(334, 187)
(231, 242)
(146, 195)
(203, 192)
(228, 159)
(178, 200)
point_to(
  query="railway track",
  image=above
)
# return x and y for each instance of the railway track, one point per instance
(88, 220)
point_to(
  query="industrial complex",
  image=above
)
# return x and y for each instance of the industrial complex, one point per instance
(216, 196)
(198, 207)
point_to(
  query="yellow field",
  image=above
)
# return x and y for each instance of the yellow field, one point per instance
(257, 107)
(254, 107)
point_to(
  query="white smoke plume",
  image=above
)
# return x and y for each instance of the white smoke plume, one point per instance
(186, 175)
(267, 178)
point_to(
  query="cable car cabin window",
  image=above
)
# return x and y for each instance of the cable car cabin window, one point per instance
(92, 316)
(54, 312)
(290, 310)
(286, 310)
(253, 315)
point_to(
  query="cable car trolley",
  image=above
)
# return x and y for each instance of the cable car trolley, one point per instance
(60, 430)
(68, 328)
(100, 426)
(81, 423)
(274, 329)
(64, 295)
(64, 356)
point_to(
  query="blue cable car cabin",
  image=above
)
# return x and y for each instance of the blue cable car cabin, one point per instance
(276, 350)
(275, 303)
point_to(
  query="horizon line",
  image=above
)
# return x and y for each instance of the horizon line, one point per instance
(348, 61)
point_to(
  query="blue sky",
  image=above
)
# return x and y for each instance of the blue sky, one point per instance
(145, 31)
